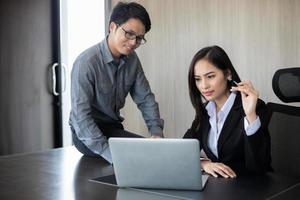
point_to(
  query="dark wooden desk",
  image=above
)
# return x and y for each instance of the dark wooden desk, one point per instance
(290, 193)
(65, 174)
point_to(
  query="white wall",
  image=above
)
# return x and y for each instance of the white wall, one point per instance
(82, 25)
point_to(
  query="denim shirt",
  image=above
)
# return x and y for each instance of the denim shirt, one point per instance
(99, 87)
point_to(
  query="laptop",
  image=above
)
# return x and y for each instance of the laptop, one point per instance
(157, 163)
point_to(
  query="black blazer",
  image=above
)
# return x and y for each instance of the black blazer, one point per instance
(244, 154)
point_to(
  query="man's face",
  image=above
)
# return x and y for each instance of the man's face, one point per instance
(125, 38)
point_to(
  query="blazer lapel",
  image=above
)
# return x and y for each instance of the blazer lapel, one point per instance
(231, 121)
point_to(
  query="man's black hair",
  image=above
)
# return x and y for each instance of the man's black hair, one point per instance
(124, 11)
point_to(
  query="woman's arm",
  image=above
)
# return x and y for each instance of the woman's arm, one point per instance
(257, 145)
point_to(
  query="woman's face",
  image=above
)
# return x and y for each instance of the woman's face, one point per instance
(211, 81)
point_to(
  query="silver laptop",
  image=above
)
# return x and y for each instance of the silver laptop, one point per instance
(157, 163)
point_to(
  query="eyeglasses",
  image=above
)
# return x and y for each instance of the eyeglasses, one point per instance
(131, 36)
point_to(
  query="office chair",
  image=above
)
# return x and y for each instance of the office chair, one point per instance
(284, 123)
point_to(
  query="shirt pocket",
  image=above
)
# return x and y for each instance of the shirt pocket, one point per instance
(105, 87)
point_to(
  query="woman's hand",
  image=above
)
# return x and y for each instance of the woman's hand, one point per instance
(216, 169)
(249, 99)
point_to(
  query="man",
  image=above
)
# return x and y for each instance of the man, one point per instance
(103, 75)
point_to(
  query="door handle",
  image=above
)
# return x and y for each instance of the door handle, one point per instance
(54, 78)
(64, 68)
(55, 93)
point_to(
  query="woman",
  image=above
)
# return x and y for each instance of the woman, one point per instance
(230, 119)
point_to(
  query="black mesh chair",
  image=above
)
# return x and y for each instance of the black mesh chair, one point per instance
(284, 123)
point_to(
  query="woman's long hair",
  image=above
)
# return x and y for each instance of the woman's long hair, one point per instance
(218, 57)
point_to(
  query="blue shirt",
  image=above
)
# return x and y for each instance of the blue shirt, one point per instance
(99, 87)
(217, 120)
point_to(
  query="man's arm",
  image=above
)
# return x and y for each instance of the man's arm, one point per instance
(82, 93)
(145, 100)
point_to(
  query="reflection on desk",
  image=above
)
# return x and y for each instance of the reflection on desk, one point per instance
(131, 194)
(245, 187)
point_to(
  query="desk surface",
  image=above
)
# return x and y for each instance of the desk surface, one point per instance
(65, 174)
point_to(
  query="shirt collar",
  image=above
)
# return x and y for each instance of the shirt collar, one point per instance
(105, 51)
(211, 107)
(107, 55)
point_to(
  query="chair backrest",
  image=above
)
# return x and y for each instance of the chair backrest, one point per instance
(286, 84)
(284, 123)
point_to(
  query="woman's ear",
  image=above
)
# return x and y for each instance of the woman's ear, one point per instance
(229, 75)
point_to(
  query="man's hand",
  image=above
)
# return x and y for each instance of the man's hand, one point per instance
(156, 136)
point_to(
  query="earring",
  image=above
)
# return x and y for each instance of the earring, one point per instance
(231, 82)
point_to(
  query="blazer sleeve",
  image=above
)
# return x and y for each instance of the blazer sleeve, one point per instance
(257, 146)
(191, 132)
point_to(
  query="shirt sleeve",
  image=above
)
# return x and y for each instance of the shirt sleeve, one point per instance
(107, 155)
(82, 95)
(252, 128)
(145, 100)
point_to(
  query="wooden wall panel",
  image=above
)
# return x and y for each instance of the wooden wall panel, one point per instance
(27, 48)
